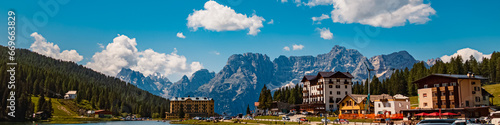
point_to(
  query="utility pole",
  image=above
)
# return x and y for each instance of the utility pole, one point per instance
(367, 111)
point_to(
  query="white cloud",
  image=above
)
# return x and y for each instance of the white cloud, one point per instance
(465, 53)
(180, 35)
(122, 53)
(284, 1)
(286, 48)
(100, 45)
(325, 33)
(216, 53)
(387, 13)
(318, 2)
(297, 47)
(271, 22)
(319, 19)
(217, 17)
(41, 46)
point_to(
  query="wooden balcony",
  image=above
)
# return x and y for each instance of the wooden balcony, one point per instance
(305, 91)
(320, 89)
(443, 97)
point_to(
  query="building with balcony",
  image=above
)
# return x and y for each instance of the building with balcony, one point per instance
(192, 107)
(321, 92)
(451, 91)
(392, 105)
(356, 103)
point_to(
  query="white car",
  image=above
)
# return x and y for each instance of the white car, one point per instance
(285, 118)
(323, 120)
(495, 118)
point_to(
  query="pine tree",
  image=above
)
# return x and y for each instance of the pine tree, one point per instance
(248, 109)
(41, 103)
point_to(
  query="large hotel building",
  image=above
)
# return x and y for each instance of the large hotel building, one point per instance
(321, 92)
(192, 106)
(451, 91)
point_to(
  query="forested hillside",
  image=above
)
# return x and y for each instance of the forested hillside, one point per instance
(38, 75)
(400, 81)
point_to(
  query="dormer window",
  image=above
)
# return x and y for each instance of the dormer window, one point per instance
(445, 84)
(436, 85)
(425, 86)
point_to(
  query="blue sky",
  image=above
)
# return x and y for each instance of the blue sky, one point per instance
(81, 25)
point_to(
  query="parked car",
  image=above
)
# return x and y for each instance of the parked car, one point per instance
(285, 118)
(437, 122)
(324, 120)
(302, 119)
(197, 118)
(379, 120)
(290, 114)
(248, 117)
(227, 118)
(305, 113)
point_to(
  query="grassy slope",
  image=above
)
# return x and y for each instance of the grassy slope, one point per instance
(495, 91)
(414, 101)
(59, 108)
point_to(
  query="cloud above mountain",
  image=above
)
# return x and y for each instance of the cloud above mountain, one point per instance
(217, 17)
(325, 33)
(122, 53)
(41, 46)
(465, 53)
(377, 13)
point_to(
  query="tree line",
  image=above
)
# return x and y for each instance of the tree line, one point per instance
(290, 95)
(41, 76)
(400, 82)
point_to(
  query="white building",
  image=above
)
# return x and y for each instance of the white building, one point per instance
(70, 95)
(392, 105)
(321, 92)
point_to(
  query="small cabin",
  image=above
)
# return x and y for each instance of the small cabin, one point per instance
(70, 95)
(103, 114)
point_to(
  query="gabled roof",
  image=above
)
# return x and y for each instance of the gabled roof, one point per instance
(337, 74)
(308, 77)
(455, 76)
(486, 93)
(71, 92)
(358, 98)
(191, 98)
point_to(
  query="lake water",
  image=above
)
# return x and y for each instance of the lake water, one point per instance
(99, 123)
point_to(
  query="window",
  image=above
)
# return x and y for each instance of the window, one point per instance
(445, 84)
(345, 92)
(330, 92)
(338, 80)
(436, 85)
(425, 86)
(346, 86)
(473, 83)
(338, 92)
(454, 84)
(425, 104)
(451, 92)
(379, 105)
(424, 95)
(443, 93)
(337, 86)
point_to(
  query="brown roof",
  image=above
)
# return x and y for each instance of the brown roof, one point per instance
(453, 76)
(337, 74)
(308, 78)
(358, 98)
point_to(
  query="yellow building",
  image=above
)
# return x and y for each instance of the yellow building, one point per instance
(356, 103)
(192, 107)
